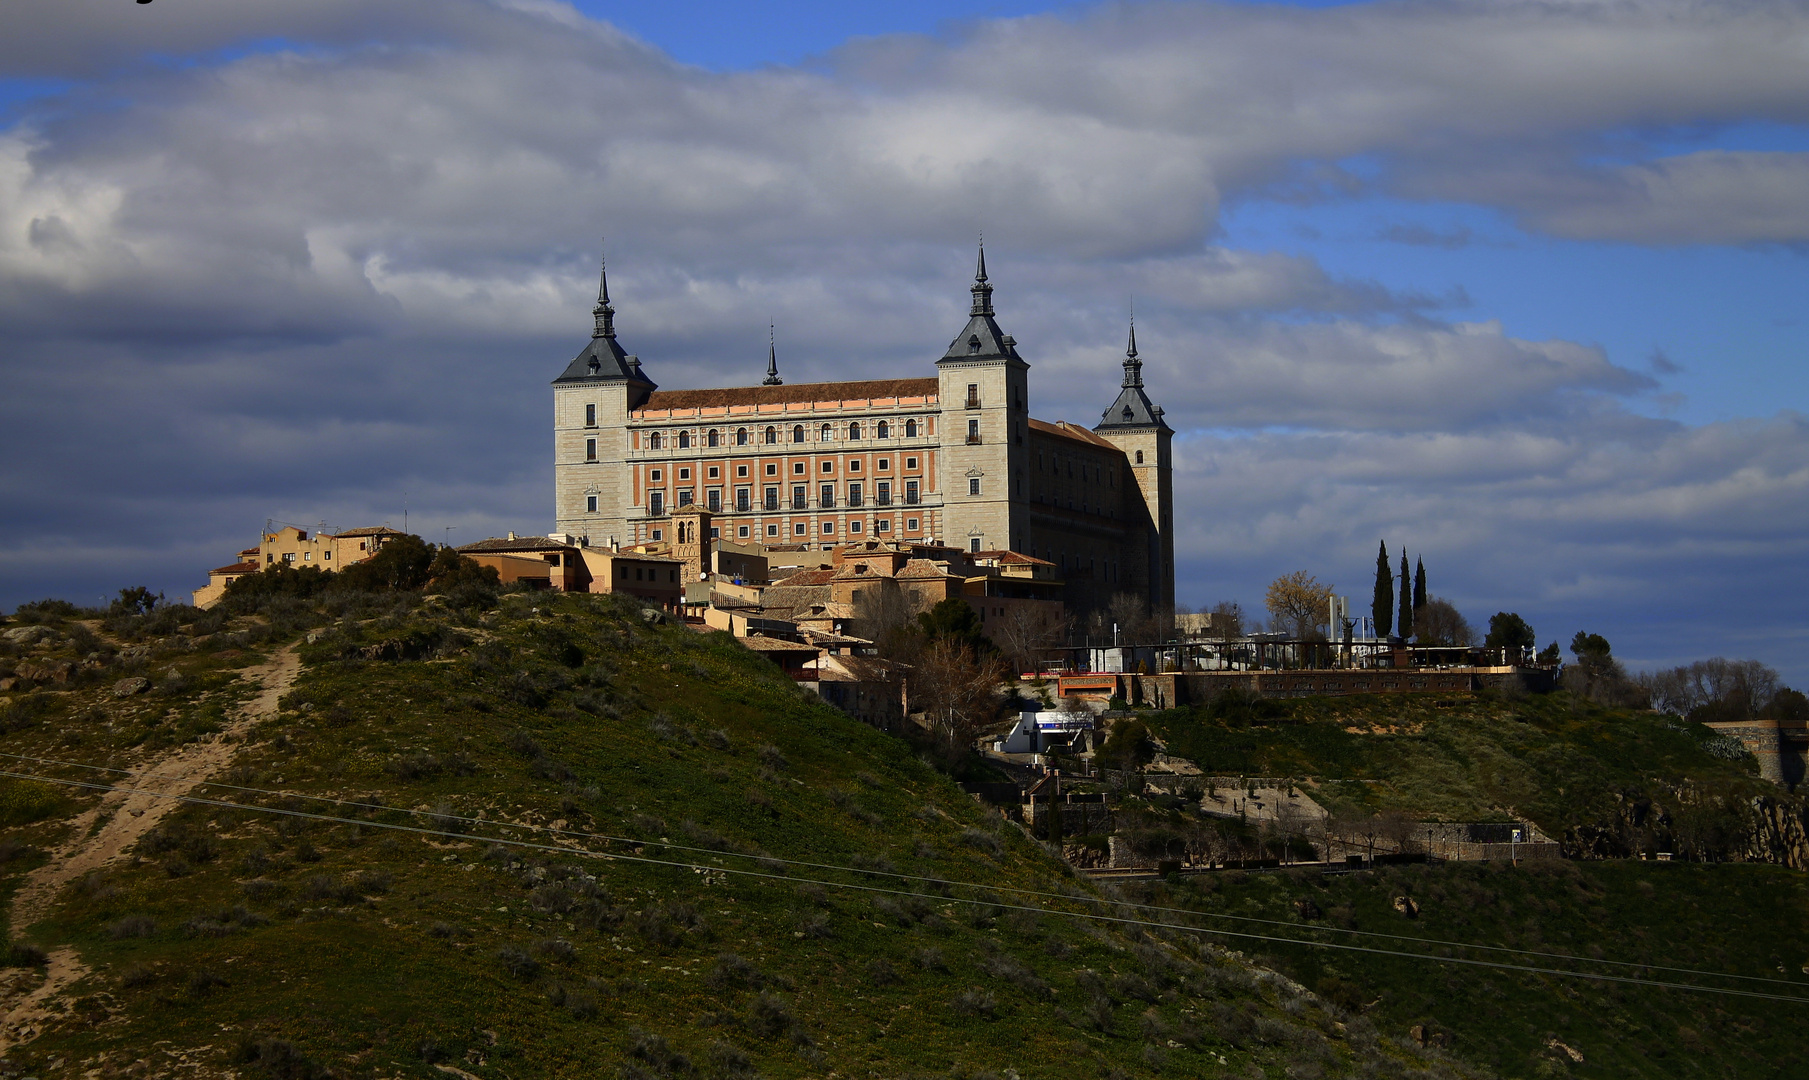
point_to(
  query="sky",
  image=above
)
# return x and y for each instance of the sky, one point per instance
(1515, 286)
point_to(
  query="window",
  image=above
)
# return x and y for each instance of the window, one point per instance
(854, 526)
(1139, 457)
(826, 496)
(307, 556)
(883, 464)
(715, 472)
(684, 497)
(910, 463)
(910, 524)
(590, 416)
(826, 433)
(741, 436)
(973, 431)
(714, 438)
(882, 526)
(799, 497)
(973, 485)
(715, 534)
(640, 573)
(655, 474)
(885, 430)
(828, 466)
(772, 468)
(828, 528)
(854, 495)
(653, 441)
(684, 474)
(744, 499)
(911, 494)
(741, 531)
(772, 498)
(973, 395)
(910, 429)
(715, 500)
(973, 543)
(772, 434)
(882, 493)
(797, 433)
(741, 470)
(328, 555)
(854, 431)
(797, 468)
(590, 449)
(801, 529)
(854, 465)
(656, 504)
(684, 440)
(772, 530)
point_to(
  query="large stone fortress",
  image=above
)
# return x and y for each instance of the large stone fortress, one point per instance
(954, 459)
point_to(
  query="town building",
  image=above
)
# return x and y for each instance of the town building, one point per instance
(953, 459)
(296, 547)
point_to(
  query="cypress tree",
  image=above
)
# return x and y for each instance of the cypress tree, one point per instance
(1382, 607)
(1406, 624)
(1419, 583)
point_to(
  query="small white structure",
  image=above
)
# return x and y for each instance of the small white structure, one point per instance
(1036, 732)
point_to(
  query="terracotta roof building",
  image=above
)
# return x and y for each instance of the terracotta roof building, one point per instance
(952, 459)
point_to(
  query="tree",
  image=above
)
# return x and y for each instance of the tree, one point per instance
(1405, 629)
(1381, 609)
(1507, 630)
(401, 564)
(1137, 625)
(1227, 620)
(1438, 622)
(1419, 583)
(136, 600)
(1297, 602)
(1598, 676)
(957, 685)
(1027, 633)
(954, 620)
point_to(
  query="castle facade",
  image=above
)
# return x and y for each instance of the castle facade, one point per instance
(953, 458)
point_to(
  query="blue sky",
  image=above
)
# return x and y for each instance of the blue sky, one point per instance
(1515, 285)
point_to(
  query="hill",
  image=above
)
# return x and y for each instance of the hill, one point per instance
(556, 837)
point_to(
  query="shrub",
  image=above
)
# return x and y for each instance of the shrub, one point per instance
(557, 950)
(929, 959)
(24, 954)
(880, 972)
(518, 963)
(276, 1058)
(133, 926)
(204, 983)
(975, 1002)
(984, 842)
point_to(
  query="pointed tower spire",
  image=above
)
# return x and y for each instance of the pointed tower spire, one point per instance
(981, 290)
(1133, 367)
(772, 359)
(605, 314)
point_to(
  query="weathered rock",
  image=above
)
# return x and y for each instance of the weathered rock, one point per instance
(652, 616)
(46, 670)
(127, 687)
(26, 635)
(1406, 906)
(1306, 909)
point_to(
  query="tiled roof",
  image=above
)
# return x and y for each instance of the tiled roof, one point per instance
(520, 543)
(791, 393)
(370, 530)
(250, 553)
(1064, 430)
(1011, 558)
(249, 566)
(767, 644)
(920, 569)
(805, 579)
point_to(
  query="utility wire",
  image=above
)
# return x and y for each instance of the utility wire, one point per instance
(1406, 938)
(1115, 919)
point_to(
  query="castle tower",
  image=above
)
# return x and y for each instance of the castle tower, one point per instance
(591, 402)
(1135, 425)
(985, 415)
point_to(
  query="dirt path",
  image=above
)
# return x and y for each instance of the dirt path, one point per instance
(102, 835)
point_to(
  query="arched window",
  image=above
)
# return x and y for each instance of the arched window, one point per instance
(1139, 457)
(653, 441)
(772, 434)
(854, 431)
(885, 430)
(741, 436)
(910, 429)
(797, 433)
(713, 438)
(684, 440)
(826, 433)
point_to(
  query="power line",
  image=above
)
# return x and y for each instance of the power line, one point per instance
(1252, 920)
(1121, 920)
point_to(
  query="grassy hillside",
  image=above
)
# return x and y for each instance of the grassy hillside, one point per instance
(1554, 759)
(325, 941)
(1736, 919)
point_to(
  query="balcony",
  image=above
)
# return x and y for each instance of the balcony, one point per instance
(910, 498)
(973, 438)
(772, 502)
(742, 505)
(882, 499)
(799, 502)
(854, 499)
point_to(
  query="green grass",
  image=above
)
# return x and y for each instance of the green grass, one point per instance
(366, 951)
(1729, 919)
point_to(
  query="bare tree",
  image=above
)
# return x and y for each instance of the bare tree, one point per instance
(958, 690)
(1438, 622)
(1027, 633)
(1227, 620)
(1398, 829)
(1298, 603)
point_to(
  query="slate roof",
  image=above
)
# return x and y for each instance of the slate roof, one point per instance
(1133, 409)
(789, 394)
(981, 338)
(1061, 429)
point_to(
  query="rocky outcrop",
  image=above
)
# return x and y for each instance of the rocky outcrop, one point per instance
(1778, 833)
(1691, 824)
